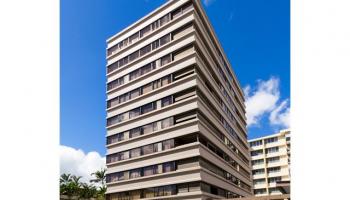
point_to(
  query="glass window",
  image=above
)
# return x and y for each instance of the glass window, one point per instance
(134, 93)
(168, 144)
(123, 98)
(176, 13)
(133, 56)
(123, 116)
(123, 61)
(146, 69)
(165, 39)
(134, 113)
(166, 59)
(157, 84)
(120, 44)
(168, 167)
(150, 170)
(270, 140)
(155, 44)
(112, 67)
(135, 132)
(135, 173)
(136, 194)
(155, 126)
(166, 101)
(135, 74)
(164, 20)
(113, 102)
(155, 25)
(165, 80)
(147, 128)
(271, 150)
(133, 38)
(123, 155)
(145, 49)
(147, 88)
(135, 152)
(148, 108)
(148, 192)
(126, 42)
(145, 31)
(147, 149)
(159, 191)
(167, 122)
(186, 7)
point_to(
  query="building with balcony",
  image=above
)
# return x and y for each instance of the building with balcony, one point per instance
(270, 162)
(176, 126)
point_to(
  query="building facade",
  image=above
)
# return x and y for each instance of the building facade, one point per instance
(176, 126)
(270, 162)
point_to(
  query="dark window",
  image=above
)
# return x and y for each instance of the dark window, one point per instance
(150, 170)
(155, 44)
(168, 144)
(145, 49)
(164, 19)
(135, 173)
(167, 122)
(166, 101)
(135, 132)
(145, 31)
(135, 152)
(165, 39)
(133, 56)
(146, 69)
(168, 167)
(134, 38)
(124, 98)
(166, 59)
(134, 113)
(176, 13)
(148, 149)
(134, 93)
(147, 88)
(147, 128)
(148, 108)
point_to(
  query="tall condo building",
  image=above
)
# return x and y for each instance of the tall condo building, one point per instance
(176, 126)
(270, 162)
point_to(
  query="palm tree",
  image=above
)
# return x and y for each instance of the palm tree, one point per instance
(76, 180)
(70, 185)
(88, 191)
(65, 179)
(100, 176)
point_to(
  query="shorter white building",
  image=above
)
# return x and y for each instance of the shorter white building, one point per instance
(270, 162)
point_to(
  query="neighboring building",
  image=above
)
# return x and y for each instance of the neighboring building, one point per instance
(270, 162)
(176, 123)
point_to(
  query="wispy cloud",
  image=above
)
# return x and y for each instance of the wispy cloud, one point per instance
(208, 2)
(76, 162)
(264, 100)
(280, 116)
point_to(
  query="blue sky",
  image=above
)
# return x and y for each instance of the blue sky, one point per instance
(255, 35)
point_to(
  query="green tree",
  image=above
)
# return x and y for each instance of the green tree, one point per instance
(65, 179)
(100, 176)
(88, 191)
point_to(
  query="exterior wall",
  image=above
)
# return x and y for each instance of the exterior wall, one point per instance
(201, 131)
(261, 180)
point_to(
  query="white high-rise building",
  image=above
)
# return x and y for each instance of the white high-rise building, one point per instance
(270, 162)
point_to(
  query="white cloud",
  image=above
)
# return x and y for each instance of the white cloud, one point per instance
(76, 162)
(280, 115)
(208, 2)
(263, 100)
